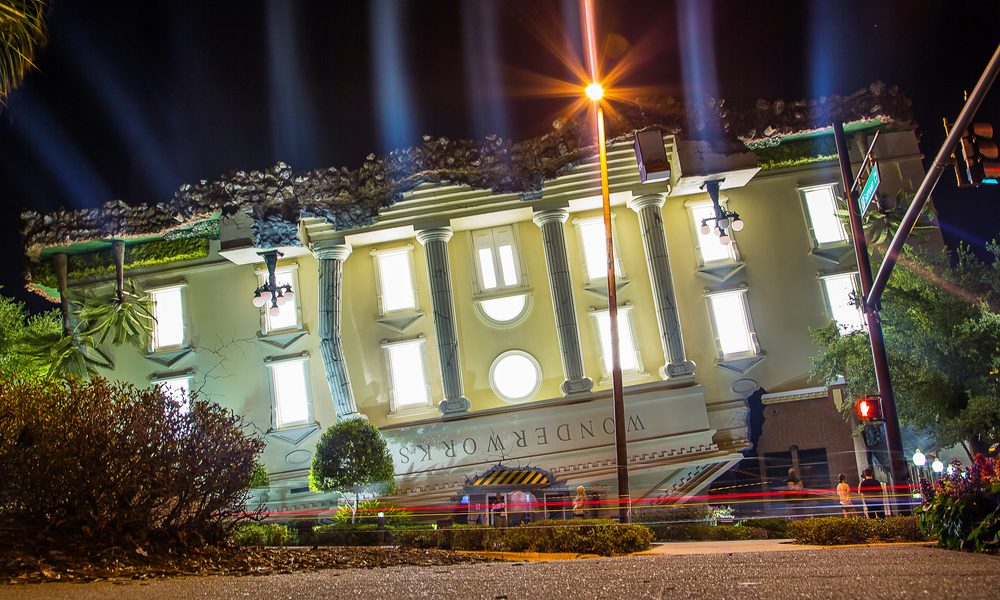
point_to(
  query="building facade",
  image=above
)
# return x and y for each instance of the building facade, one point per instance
(471, 325)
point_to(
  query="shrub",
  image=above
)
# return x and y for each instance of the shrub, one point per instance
(115, 465)
(776, 527)
(833, 531)
(691, 532)
(963, 510)
(581, 536)
(367, 534)
(259, 477)
(262, 534)
(367, 513)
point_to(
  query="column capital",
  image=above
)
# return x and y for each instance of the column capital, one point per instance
(638, 203)
(434, 234)
(552, 215)
(337, 249)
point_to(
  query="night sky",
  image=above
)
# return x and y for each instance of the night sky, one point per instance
(133, 99)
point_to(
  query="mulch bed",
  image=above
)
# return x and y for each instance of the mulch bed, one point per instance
(117, 564)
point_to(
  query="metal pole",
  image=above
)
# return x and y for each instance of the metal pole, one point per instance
(931, 178)
(898, 473)
(621, 452)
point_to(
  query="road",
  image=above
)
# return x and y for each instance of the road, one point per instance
(835, 573)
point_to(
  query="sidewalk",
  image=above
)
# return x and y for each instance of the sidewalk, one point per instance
(727, 547)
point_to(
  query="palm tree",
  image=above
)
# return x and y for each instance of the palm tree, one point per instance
(22, 33)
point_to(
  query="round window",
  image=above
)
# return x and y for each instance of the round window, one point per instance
(515, 375)
(505, 310)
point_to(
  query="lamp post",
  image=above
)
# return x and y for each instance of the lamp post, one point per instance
(595, 92)
(724, 219)
(270, 291)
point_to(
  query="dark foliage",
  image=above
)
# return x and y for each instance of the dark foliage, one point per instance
(963, 510)
(107, 465)
(351, 456)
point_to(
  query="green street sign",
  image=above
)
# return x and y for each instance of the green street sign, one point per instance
(871, 187)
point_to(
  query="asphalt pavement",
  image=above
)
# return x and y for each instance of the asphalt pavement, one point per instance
(865, 573)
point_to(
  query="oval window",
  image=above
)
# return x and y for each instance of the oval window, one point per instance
(515, 375)
(505, 310)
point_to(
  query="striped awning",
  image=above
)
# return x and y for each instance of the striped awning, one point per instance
(501, 475)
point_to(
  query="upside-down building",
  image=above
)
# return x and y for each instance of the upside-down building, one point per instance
(455, 295)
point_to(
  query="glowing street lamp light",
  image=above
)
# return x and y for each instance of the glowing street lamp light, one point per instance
(919, 459)
(270, 294)
(937, 466)
(594, 91)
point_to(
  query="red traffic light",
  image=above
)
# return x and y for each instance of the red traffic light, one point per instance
(868, 408)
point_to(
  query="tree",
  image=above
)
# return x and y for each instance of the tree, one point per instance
(941, 319)
(18, 332)
(22, 33)
(352, 458)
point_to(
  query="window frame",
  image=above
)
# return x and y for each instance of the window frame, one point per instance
(480, 295)
(265, 319)
(377, 255)
(624, 311)
(538, 376)
(578, 224)
(154, 346)
(271, 362)
(834, 189)
(856, 282)
(394, 407)
(166, 378)
(751, 331)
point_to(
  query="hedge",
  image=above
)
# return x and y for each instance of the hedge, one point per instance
(361, 534)
(689, 532)
(833, 531)
(101, 263)
(261, 534)
(581, 536)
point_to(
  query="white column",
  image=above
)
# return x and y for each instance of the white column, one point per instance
(664, 300)
(561, 286)
(435, 243)
(330, 256)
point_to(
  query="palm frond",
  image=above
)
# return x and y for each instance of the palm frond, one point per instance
(22, 33)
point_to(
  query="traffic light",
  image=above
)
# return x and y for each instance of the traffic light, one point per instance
(976, 158)
(868, 408)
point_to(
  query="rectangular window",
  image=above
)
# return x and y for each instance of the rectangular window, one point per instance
(626, 344)
(595, 248)
(407, 377)
(395, 276)
(290, 392)
(731, 318)
(178, 388)
(288, 313)
(497, 264)
(168, 310)
(821, 210)
(839, 290)
(711, 249)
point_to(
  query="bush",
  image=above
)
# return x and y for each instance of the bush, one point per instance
(776, 527)
(352, 457)
(262, 534)
(963, 510)
(115, 465)
(367, 513)
(581, 536)
(258, 476)
(833, 531)
(692, 532)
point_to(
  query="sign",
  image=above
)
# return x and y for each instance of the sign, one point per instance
(871, 188)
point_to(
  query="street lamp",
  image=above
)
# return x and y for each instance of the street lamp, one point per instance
(937, 466)
(919, 459)
(595, 92)
(723, 219)
(270, 292)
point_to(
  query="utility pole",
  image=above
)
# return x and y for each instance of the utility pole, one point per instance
(899, 475)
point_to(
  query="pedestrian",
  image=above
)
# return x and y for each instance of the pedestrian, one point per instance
(794, 497)
(844, 492)
(580, 503)
(871, 494)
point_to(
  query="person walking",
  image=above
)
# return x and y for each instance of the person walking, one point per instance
(844, 493)
(580, 503)
(871, 494)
